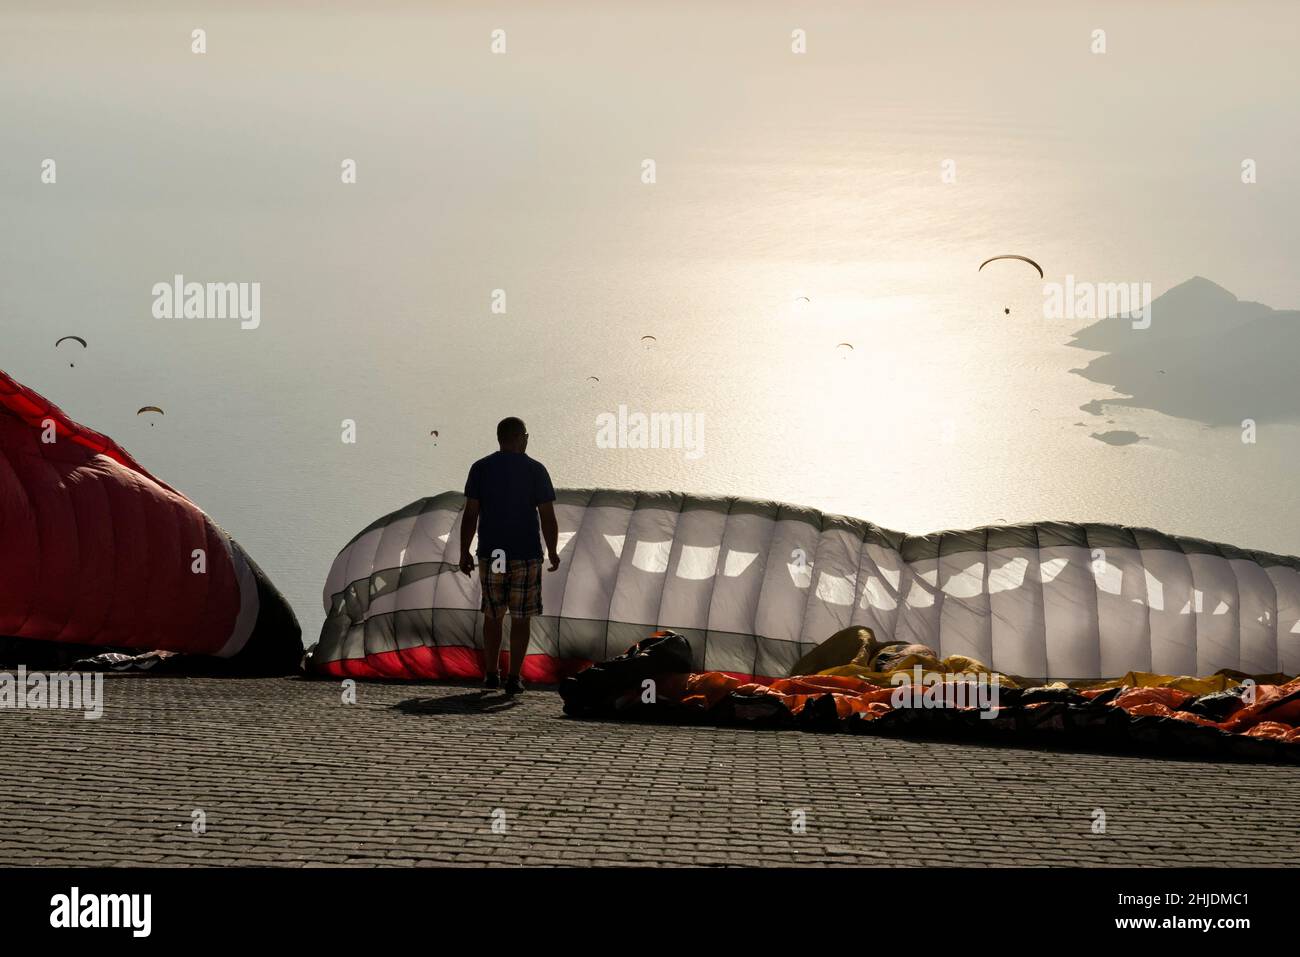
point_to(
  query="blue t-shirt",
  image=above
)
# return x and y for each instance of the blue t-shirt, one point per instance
(509, 486)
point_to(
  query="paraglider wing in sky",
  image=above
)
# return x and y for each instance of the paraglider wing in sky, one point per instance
(755, 585)
(59, 342)
(1023, 259)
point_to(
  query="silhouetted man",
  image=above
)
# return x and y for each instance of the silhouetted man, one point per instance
(505, 495)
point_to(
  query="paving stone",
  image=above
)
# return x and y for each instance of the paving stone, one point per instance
(288, 775)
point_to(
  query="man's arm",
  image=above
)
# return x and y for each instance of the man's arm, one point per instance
(550, 532)
(468, 526)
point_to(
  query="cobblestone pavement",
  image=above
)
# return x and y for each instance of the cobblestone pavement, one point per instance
(284, 773)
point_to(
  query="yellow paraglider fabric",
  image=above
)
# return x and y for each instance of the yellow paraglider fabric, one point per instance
(856, 653)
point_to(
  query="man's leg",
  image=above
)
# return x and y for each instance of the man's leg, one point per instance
(525, 601)
(519, 632)
(492, 644)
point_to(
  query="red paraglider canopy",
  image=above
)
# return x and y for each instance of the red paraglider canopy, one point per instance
(40, 413)
(100, 552)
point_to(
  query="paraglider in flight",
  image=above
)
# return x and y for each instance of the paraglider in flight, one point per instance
(71, 365)
(1023, 259)
(592, 378)
(845, 349)
(150, 408)
(648, 341)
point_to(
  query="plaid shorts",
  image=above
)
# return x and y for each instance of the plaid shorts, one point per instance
(518, 589)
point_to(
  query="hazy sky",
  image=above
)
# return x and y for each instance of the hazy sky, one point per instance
(778, 175)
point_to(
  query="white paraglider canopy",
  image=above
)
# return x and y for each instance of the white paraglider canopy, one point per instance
(754, 585)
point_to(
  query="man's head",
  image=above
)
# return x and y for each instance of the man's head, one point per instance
(512, 435)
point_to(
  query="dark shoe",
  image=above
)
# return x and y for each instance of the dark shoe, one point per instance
(514, 685)
(492, 680)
